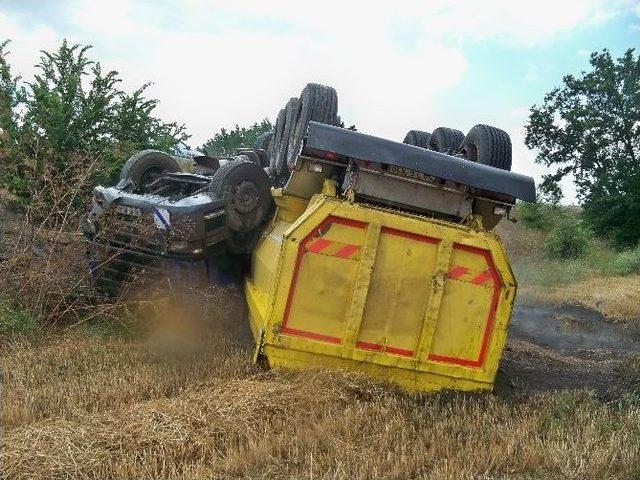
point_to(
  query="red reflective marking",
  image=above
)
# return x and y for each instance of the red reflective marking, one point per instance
(375, 347)
(400, 351)
(369, 346)
(347, 251)
(410, 235)
(319, 245)
(482, 278)
(457, 271)
(312, 335)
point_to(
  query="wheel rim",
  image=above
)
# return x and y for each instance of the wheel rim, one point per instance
(245, 197)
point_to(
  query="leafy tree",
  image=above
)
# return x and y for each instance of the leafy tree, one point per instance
(11, 96)
(226, 141)
(73, 111)
(590, 127)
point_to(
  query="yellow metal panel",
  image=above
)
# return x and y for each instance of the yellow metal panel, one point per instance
(321, 298)
(397, 293)
(399, 289)
(461, 321)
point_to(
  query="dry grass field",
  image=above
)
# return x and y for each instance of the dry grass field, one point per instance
(84, 396)
(617, 298)
(186, 402)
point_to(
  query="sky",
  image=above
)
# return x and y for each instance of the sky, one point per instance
(396, 65)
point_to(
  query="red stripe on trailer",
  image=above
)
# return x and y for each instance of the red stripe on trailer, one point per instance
(457, 271)
(347, 251)
(482, 278)
(319, 245)
(376, 347)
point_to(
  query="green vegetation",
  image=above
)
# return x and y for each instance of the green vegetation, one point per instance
(226, 141)
(72, 117)
(555, 247)
(589, 128)
(568, 239)
(15, 321)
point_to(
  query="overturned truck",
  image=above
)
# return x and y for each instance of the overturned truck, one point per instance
(362, 253)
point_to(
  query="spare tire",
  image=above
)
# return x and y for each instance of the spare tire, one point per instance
(263, 141)
(489, 146)
(245, 189)
(446, 140)
(417, 138)
(139, 167)
(318, 103)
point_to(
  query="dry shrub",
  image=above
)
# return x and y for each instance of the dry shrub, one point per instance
(45, 271)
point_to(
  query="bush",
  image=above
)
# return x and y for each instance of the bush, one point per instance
(568, 239)
(627, 262)
(532, 215)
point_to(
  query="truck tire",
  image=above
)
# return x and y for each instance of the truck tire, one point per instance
(292, 109)
(140, 165)
(245, 189)
(318, 103)
(279, 160)
(446, 140)
(489, 146)
(276, 140)
(263, 141)
(417, 138)
(264, 157)
(248, 154)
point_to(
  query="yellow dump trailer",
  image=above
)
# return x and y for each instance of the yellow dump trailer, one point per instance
(422, 302)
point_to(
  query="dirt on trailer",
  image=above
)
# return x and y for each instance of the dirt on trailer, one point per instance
(568, 348)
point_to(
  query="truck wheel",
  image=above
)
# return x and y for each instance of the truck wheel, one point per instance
(245, 189)
(446, 140)
(279, 158)
(292, 109)
(139, 167)
(417, 138)
(318, 103)
(276, 140)
(264, 158)
(248, 154)
(263, 141)
(489, 146)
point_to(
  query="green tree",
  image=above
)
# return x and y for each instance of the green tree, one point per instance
(590, 128)
(226, 141)
(73, 111)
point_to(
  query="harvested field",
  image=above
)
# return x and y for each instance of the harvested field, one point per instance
(77, 406)
(617, 298)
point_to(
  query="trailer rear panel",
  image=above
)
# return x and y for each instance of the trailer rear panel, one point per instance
(421, 302)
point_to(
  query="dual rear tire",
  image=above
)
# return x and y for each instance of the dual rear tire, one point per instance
(483, 144)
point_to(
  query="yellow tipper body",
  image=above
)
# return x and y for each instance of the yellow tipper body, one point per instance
(420, 302)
